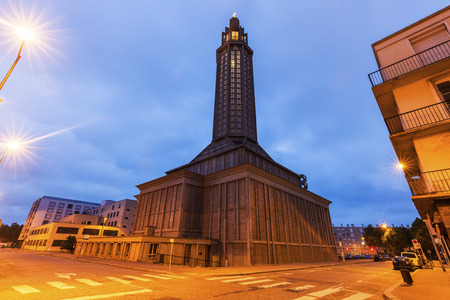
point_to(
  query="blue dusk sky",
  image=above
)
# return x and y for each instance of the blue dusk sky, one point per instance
(112, 94)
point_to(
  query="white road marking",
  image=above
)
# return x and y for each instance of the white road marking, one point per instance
(218, 278)
(89, 282)
(358, 296)
(325, 292)
(119, 280)
(174, 276)
(25, 289)
(238, 279)
(305, 298)
(66, 275)
(60, 285)
(302, 288)
(255, 281)
(137, 278)
(274, 285)
(111, 295)
(157, 276)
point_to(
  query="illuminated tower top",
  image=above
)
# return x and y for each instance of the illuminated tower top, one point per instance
(234, 106)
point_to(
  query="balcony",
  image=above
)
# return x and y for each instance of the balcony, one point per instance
(434, 182)
(410, 64)
(420, 117)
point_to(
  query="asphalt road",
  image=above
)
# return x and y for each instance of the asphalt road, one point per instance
(27, 275)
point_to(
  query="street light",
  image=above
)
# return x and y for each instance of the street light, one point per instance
(26, 35)
(11, 145)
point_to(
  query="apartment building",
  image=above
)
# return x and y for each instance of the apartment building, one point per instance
(117, 214)
(48, 209)
(412, 89)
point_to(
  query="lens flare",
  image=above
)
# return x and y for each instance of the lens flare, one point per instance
(25, 33)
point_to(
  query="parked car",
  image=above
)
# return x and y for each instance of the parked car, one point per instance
(386, 257)
(367, 256)
(357, 256)
(378, 257)
(416, 260)
(401, 262)
(348, 256)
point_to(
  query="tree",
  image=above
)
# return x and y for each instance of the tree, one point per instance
(420, 232)
(372, 236)
(10, 233)
(69, 244)
(397, 239)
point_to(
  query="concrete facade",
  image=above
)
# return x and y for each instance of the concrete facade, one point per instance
(412, 89)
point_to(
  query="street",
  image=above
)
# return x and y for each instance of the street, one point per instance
(28, 275)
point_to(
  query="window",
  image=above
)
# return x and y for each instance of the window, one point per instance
(89, 222)
(152, 250)
(234, 35)
(124, 226)
(112, 207)
(57, 243)
(69, 206)
(50, 210)
(115, 223)
(117, 214)
(128, 209)
(45, 222)
(126, 218)
(59, 211)
(78, 207)
(91, 231)
(77, 212)
(52, 204)
(120, 204)
(69, 230)
(48, 216)
(61, 205)
(68, 212)
(57, 217)
(110, 233)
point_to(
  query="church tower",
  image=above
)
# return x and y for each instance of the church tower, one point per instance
(233, 205)
(234, 107)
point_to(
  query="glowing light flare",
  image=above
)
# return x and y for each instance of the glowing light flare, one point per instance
(25, 33)
(384, 226)
(13, 145)
(28, 25)
(23, 146)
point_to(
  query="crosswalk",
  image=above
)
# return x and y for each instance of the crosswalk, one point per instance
(265, 283)
(308, 291)
(124, 279)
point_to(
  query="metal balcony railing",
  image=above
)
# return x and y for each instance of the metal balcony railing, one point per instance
(420, 117)
(433, 182)
(410, 64)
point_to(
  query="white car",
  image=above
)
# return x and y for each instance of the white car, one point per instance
(414, 258)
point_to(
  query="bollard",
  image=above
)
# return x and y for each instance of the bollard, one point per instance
(406, 276)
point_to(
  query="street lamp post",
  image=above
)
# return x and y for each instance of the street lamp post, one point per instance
(103, 225)
(26, 35)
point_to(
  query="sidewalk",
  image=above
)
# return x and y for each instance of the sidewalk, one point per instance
(428, 284)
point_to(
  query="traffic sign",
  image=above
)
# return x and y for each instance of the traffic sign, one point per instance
(416, 244)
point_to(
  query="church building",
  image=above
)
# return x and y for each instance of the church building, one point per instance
(256, 210)
(232, 205)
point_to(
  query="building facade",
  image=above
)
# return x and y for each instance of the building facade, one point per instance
(350, 240)
(252, 209)
(49, 237)
(412, 89)
(49, 209)
(117, 213)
